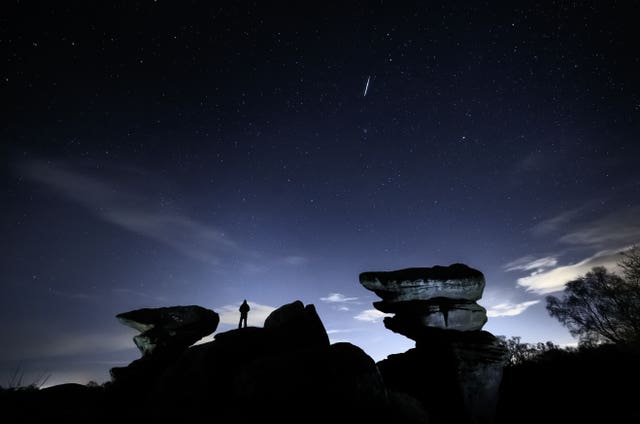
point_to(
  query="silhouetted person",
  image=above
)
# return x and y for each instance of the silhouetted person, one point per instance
(244, 311)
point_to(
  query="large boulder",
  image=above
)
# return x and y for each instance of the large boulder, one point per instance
(455, 316)
(166, 333)
(457, 281)
(175, 327)
(296, 318)
(437, 297)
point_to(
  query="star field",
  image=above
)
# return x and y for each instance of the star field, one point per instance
(159, 153)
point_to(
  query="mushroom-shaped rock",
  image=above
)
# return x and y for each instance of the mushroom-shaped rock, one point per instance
(464, 367)
(171, 328)
(457, 281)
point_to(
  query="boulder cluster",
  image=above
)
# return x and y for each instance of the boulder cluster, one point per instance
(286, 371)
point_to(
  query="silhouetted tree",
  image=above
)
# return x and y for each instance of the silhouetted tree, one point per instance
(601, 306)
(519, 353)
(630, 265)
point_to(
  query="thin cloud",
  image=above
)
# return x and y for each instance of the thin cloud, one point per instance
(554, 279)
(604, 238)
(130, 210)
(56, 345)
(70, 295)
(527, 263)
(338, 298)
(295, 260)
(340, 331)
(509, 309)
(532, 162)
(129, 292)
(556, 223)
(618, 228)
(230, 315)
(371, 315)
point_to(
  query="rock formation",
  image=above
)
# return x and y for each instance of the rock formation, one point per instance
(165, 334)
(286, 371)
(441, 297)
(176, 327)
(455, 369)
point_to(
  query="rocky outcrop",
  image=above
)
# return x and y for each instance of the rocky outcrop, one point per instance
(441, 297)
(455, 369)
(286, 371)
(296, 318)
(165, 334)
(175, 327)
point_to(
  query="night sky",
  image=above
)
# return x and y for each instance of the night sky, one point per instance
(160, 153)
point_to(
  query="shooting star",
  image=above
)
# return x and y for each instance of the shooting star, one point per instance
(366, 87)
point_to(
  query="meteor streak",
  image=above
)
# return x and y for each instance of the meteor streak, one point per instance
(366, 87)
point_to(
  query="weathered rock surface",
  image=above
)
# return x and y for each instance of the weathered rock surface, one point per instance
(464, 317)
(437, 313)
(437, 297)
(457, 281)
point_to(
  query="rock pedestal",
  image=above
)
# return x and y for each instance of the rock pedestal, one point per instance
(455, 369)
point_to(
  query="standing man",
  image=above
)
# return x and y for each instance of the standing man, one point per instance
(244, 311)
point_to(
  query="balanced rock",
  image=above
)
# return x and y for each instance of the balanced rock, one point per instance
(456, 281)
(437, 297)
(171, 328)
(437, 308)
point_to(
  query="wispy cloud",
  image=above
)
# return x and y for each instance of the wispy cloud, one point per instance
(601, 239)
(509, 309)
(337, 298)
(557, 223)
(554, 279)
(295, 260)
(371, 315)
(90, 343)
(70, 295)
(532, 162)
(527, 263)
(130, 210)
(340, 331)
(339, 301)
(230, 315)
(67, 344)
(129, 292)
(621, 227)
